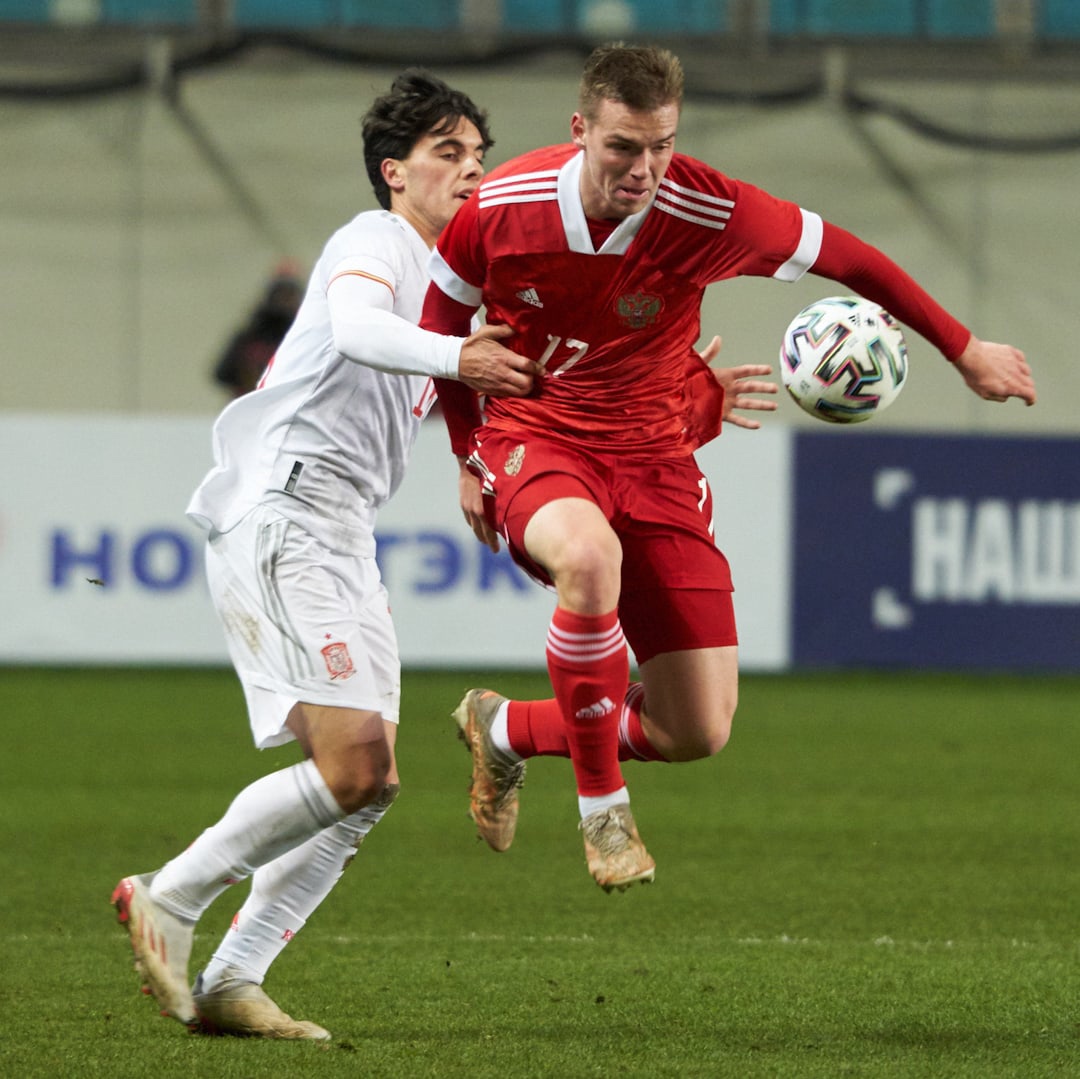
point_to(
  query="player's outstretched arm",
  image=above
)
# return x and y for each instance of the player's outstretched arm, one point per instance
(996, 372)
(488, 367)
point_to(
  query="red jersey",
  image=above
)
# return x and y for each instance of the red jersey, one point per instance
(615, 325)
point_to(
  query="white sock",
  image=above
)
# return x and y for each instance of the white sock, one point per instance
(267, 818)
(589, 804)
(284, 894)
(500, 736)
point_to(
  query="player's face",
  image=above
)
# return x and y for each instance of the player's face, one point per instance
(627, 152)
(442, 170)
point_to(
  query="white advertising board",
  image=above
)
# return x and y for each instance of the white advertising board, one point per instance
(98, 564)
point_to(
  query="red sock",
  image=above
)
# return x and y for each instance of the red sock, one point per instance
(536, 729)
(589, 668)
(634, 744)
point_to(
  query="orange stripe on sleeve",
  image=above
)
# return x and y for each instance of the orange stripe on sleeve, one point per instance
(360, 273)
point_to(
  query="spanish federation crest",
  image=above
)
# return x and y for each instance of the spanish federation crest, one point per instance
(339, 663)
(638, 309)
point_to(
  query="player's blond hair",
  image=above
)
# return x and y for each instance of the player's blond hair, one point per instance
(642, 77)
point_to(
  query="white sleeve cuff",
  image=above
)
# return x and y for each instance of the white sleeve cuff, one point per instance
(807, 251)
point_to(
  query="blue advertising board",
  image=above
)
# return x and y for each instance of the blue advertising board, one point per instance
(938, 552)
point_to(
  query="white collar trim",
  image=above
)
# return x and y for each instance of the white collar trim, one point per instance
(574, 222)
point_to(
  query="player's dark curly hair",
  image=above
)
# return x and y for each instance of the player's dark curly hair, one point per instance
(418, 104)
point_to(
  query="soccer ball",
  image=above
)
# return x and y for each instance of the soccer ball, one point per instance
(843, 359)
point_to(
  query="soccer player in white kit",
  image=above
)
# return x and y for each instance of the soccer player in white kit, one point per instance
(302, 466)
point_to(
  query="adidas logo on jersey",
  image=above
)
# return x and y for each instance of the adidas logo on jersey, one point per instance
(529, 296)
(602, 707)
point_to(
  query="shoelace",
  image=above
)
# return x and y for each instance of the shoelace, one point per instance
(508, 777)
(607, 833)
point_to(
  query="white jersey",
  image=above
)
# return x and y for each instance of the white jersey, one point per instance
(325, 440)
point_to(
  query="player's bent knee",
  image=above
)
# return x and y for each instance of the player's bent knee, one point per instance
(369, 788)
(718, 732)
(586, 571)
(362, 781)
(701, 741)
(388, 796)
(716, 740)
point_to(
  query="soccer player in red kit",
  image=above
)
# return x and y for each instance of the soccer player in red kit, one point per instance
(597, 254)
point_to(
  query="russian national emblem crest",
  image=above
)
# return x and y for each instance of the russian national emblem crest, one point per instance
(638, 309)
(515, 460)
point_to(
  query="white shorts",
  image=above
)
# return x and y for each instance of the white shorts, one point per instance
(303, 623)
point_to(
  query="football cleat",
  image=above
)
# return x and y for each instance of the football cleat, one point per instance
(242, 1009)
(613, 849)
(161, 943)
(496, 779)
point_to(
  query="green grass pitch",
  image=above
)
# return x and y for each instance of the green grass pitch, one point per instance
(879, 877)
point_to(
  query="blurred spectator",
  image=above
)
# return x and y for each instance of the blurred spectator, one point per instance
(249, 351)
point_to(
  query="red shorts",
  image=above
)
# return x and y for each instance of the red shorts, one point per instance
(676, 584)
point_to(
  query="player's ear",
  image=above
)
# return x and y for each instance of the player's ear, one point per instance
(393, 172)
(577, 130)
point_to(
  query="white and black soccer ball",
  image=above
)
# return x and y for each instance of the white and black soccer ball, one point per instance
(843, 359)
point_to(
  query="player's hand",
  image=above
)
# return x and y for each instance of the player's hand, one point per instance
(996, 372)
(711, 351)
(489, 368)
(739, 382)
(472, 505)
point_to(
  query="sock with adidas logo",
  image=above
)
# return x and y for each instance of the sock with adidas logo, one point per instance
(589, 669)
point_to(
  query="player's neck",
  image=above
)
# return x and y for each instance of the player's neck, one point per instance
(425, 229)
(600, 230)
